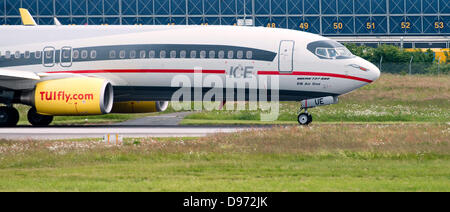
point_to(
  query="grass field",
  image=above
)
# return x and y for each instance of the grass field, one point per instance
(325, 157)
(392, 98)
(393, 135)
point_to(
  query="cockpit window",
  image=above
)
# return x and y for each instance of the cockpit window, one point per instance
(329, 49)
(332, 53)
(344, 52)
(321, 52)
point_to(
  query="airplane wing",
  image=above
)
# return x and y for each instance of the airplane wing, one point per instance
(6, 74)
(22, 80)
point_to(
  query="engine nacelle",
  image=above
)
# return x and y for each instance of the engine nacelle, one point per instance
(140, 107)
(71, 96)
(328, 100)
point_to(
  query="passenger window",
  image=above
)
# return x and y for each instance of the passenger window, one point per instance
(240, 54)
(142, 54)
(112, 54)
(221, 54)
(321, 52)
(230, 54)
(183, 54)
(122, 54)
(37, 54)
(202, 54)
(151, 54)
(93, 54)
(193, 54)
(212, 54)
(7, 54)
(76, 54)
(132, 54)
(17, 55)
(84, 54)
(249, 55)
(162, 54)
(173, 54)
(27, 54)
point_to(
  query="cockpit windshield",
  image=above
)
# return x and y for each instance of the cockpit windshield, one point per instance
(328, 49)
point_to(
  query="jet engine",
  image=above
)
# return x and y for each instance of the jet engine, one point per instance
(140, 107)
(71, 96)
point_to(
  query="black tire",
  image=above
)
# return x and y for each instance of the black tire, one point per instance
(37, 119)
(309, 118)
(304, 119)
(9, 117)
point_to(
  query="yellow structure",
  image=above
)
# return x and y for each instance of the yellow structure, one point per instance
(439, 54)
(73, 96)
(27, 19)
(135, 107)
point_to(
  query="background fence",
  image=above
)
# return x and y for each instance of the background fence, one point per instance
(392, 59)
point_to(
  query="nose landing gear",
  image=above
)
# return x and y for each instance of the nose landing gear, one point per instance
(304, 118)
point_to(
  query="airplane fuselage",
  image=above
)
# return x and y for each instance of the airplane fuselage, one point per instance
(142, 62)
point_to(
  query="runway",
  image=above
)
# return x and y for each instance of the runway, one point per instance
(56, 133)
(171, 119)
(164, 125)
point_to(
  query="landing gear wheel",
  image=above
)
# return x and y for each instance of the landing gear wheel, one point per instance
(9, 116)
(37, 119)
(304, 118)
(310, 118)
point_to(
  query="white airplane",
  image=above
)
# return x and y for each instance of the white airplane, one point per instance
(91, 70)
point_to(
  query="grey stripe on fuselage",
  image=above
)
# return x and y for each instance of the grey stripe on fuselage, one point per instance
(156, 93)
(103, 54)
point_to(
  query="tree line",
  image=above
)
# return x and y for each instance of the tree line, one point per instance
(392, 59)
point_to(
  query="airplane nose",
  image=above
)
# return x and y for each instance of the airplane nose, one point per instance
(375, 73)
(370, 71)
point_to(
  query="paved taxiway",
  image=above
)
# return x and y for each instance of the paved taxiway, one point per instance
(171, 119)
(164, 125)
(52, 133)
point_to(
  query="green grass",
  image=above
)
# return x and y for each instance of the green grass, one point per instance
(393, 98)
(261, 123)
(194, 121)
(325, 157)
(235, 173)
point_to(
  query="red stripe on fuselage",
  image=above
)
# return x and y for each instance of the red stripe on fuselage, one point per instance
(190, 71)
(299, 73)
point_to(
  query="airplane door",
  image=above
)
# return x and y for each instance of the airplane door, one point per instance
(48, 59)
(286, 56)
